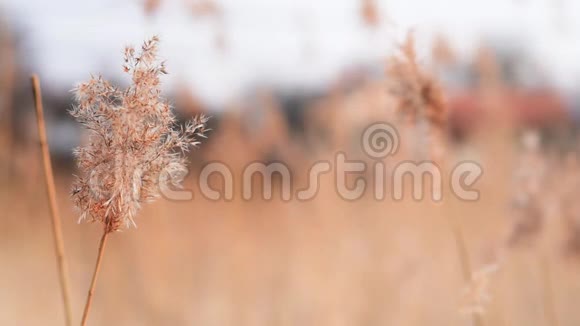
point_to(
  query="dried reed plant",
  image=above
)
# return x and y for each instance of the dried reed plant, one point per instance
(420, 99)
(151, 6)
(421, 103)
(51, 193)
(369, 13)
(135, 147)
(529, 201)
(442, 52)
(420, 95)
(533, 198)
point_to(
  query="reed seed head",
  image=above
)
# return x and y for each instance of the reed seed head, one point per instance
(134, 145)
(419, 94)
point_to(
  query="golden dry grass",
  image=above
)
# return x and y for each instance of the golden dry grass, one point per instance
(322, 262)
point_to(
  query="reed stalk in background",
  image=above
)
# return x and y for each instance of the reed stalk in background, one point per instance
(91, 292)
(134, 149)
(421, 101)
(463, 255)
(51, 192)
(548, 290)
(536, 180)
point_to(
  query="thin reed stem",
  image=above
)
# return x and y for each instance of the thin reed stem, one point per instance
(548, 297)
(461, 247)
(91, 292)
(464, 261)
(51, 192)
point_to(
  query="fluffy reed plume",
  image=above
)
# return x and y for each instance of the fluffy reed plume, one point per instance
(370, 13)
(420, 99)
(419, 94)
(134, 147)
(151, 6)
(51, 193)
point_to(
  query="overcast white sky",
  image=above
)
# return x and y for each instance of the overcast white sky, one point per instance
(291, 42)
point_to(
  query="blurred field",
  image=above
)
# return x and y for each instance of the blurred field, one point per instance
(326, 261)
(321, 262)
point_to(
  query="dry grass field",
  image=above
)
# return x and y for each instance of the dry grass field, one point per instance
(508, 258)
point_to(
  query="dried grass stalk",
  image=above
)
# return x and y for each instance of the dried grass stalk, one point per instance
(51, 192)
(421, 101)
(548, 292)
(91, 292)
(420, 98)
(135, 146)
